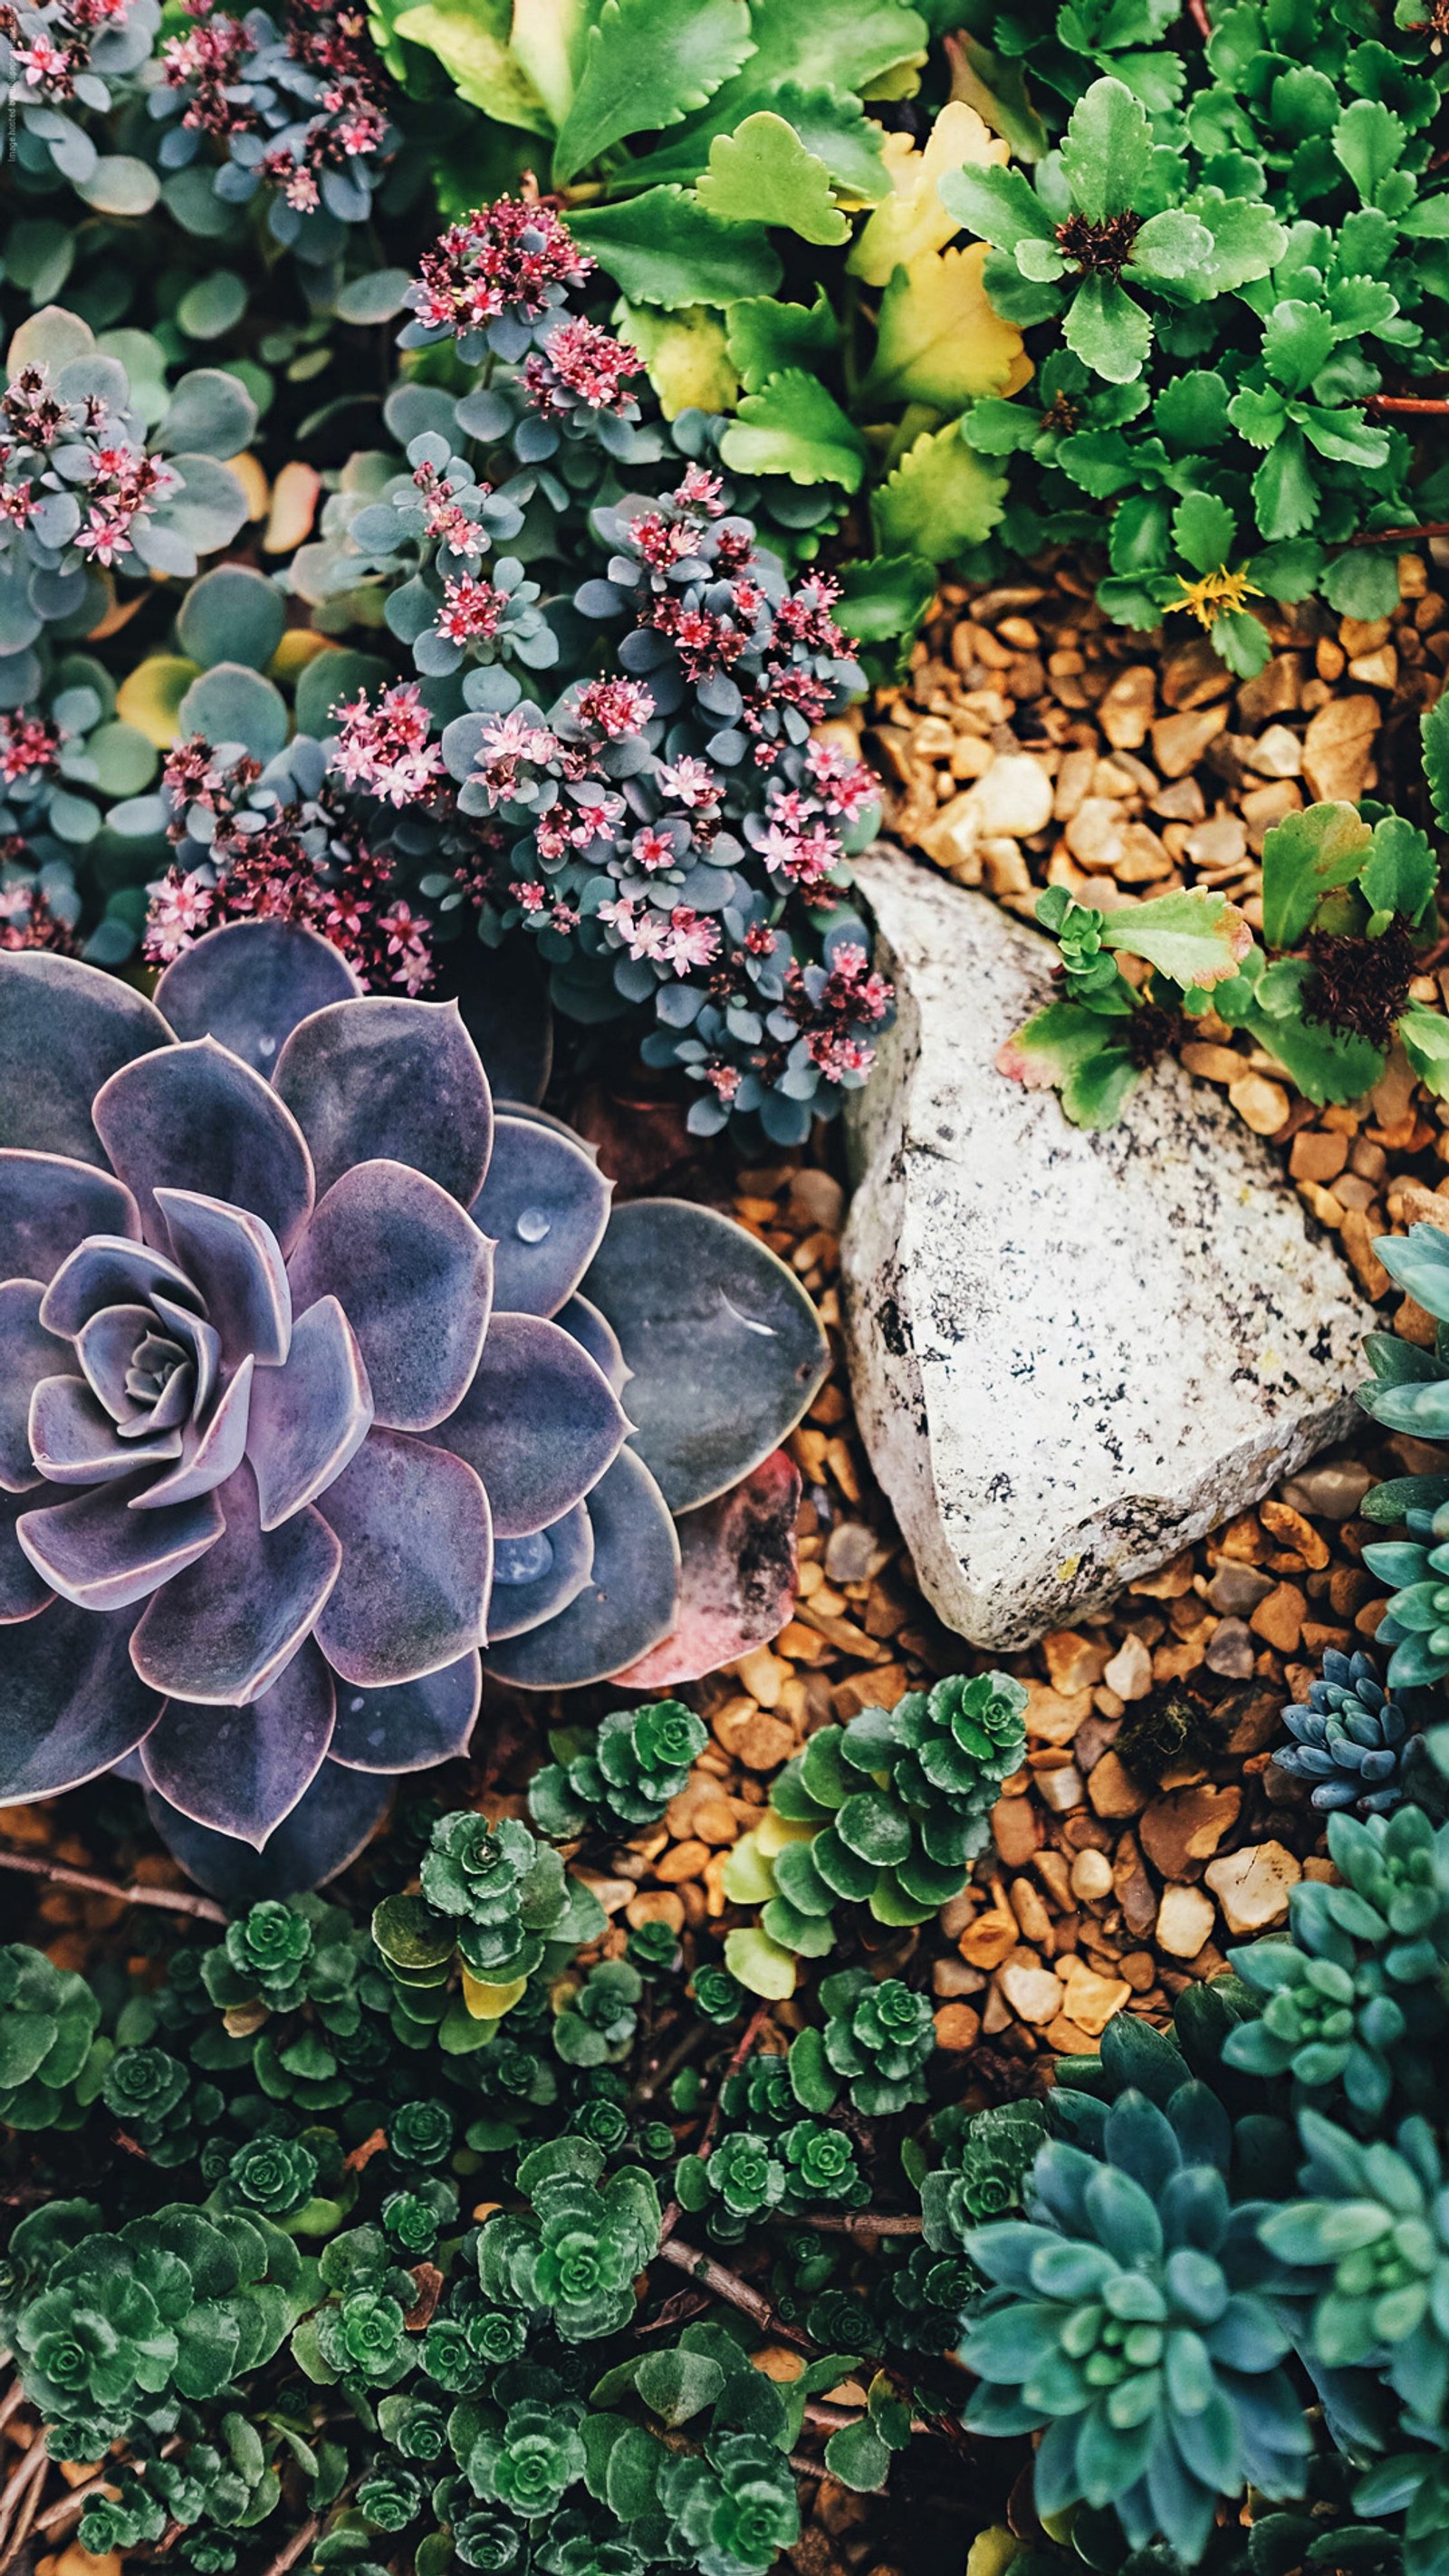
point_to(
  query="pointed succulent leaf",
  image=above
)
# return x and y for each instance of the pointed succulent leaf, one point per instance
(64, 1030)
(248, 984)
(242, 1770)
(726, 1349)
(390, 1079)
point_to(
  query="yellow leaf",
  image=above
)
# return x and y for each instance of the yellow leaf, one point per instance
(747, 1878)
(482, 68)
(938, 340)
(686, 355)
(490, 2003)
(774, 1831)
(150, 696)
(912, 218)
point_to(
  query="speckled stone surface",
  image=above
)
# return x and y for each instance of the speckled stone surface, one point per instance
(1071, 1353)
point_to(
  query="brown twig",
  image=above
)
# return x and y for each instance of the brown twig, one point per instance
(1398, 536)
(740, 2052)
(300, 2542)
(19, 2487)
(1429, 403)
(14, 2396)
(37, 2462)
(729, 2286)
(173, 1900)
(1197, 12)
(862, 2222)
(72, 2502)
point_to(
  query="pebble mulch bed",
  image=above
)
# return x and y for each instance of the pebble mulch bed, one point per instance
(1034, 744)
(1150, 1826)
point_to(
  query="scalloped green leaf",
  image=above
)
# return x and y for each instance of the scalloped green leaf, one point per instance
(664, 247)
(762, 173)
(795, 426)
(940, 499)
(647, 64)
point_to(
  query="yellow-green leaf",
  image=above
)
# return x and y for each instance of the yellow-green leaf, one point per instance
(760, 1964)
(150, 696)
(912, 218)
(941, 498)
(547, 41)
(487, 2002)
(686, 355)
(763, 174)
(747, 1877)
(795, 426)
(938, 340)
(469, 39)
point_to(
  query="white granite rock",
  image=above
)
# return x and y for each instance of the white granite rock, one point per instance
(1072, 1353)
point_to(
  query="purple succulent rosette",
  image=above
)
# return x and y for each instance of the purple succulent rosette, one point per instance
(303, 1418)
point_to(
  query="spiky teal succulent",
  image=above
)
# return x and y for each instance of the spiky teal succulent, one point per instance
(1354, 1997)
(1126, 2323)
(1349, 1739)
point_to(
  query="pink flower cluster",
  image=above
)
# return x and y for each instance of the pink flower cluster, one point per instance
(207, 62)
(579, 363)
(29, 748)
(26, 917)
(51, 44)
(444, 517)
(472, 609)
(121, 484)
(798, 840)
(128, 486)
(850, 993)
(681, 938)
(272, 874)
(502, 258)
(216, 65)
(385, 749)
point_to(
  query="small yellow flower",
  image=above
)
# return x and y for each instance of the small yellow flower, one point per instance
(1216, 595)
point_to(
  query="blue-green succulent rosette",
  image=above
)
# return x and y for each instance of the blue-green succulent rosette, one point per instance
(304, 1420)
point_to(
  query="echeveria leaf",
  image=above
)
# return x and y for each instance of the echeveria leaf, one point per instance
(248, 984)
(736, 1579)
(324, 1831)
(725, 1346)
(388, 1077)
(64, 1030)
(627, 1603)
(416, 1562)
(71, 1702)
(241, 1770)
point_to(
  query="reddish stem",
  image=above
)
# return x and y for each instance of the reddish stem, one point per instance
(1407, 402)
(1398, 536)
(173, 1900)
(743, 2046)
